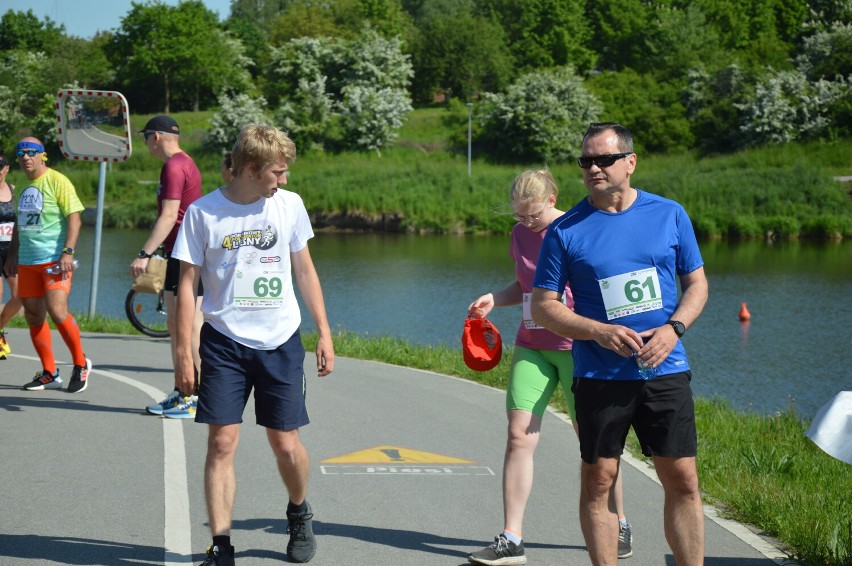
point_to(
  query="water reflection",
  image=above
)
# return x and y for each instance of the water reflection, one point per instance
(418, 288)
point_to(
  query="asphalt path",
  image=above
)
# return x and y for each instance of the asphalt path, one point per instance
(406, 469)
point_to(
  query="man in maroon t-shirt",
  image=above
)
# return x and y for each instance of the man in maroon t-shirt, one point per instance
(180, 185)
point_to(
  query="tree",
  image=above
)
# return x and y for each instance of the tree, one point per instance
(543, 33)
(339, 18)
(83, 60)
(541, 116)
(652, 109)
(170, 45)
(458, 53)
(299, 71)
(22, 88)
(23, 30)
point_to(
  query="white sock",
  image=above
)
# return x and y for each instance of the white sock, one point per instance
(510, 536)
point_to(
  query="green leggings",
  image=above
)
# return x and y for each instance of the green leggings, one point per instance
(534, 376)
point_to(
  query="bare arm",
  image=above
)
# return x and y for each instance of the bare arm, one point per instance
(10, 266)
(187, 294)
(309, 286)
(511, 294)
(71, 236)
(661, 341)
(162, 227)
(548, 310)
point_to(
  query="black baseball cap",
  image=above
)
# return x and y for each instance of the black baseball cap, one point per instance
(161, 124)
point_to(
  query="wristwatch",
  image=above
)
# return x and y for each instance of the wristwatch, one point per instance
(678, 326)
(67, 250)
(143, 253)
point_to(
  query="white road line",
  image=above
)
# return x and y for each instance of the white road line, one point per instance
(737, 529)
(177, 531)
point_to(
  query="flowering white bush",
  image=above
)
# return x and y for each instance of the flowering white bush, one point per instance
(371, 117)
(236, 111)
(787, 107)
(543, 115)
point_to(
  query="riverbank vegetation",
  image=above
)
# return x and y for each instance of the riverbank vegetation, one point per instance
(756, 469)
(421, 184)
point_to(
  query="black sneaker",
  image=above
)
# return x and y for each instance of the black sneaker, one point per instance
(503, 551)
(80, 377)
(303, 543)
(43, 380)
(217, 557)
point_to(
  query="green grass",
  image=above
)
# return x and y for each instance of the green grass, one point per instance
(756, 469)
(421, 184)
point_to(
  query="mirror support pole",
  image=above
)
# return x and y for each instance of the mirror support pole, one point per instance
(96, 254)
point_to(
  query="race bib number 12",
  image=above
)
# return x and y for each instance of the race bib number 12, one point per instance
(631, 293)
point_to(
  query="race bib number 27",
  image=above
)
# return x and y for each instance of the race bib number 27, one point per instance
(631, 293)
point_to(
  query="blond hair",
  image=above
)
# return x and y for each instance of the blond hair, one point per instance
(533, 185)
(260, 145)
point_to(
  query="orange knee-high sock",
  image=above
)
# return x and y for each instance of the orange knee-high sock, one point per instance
(70, 332)
(43, 344)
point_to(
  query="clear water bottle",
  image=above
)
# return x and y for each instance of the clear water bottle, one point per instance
(55, 268)
(646, 372)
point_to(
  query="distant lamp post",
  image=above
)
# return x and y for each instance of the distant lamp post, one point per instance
(469, 131)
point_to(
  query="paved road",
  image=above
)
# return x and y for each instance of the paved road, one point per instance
(406, 469)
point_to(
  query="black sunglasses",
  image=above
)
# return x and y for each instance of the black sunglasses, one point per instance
(601, 160)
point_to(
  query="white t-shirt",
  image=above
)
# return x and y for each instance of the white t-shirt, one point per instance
(244, 255)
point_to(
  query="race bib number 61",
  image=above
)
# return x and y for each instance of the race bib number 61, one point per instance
(631, 293)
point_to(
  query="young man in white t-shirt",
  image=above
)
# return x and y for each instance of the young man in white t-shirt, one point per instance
(243, 241)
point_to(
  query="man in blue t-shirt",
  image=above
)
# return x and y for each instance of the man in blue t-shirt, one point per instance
(623, 250)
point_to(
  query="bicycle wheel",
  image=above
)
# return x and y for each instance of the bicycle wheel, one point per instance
(147, 313)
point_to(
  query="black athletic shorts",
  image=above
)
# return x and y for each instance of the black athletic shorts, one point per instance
(660, 410)
(173, 276)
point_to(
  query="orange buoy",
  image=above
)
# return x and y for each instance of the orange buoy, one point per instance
(744, 314)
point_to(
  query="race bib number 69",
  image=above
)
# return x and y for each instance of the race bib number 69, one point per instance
(258, 288)
(631, 293)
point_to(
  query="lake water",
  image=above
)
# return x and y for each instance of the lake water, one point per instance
(795, 349)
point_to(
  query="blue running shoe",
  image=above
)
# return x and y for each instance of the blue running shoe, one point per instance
(169, 402)
(185, 409)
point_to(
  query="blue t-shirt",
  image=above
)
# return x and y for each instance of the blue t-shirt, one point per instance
(623, 269)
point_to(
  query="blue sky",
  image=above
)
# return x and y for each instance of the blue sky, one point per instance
(83, 18)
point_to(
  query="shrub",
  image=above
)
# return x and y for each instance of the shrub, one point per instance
(236, 111)
(542, 116)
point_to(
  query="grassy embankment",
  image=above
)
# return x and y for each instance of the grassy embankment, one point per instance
(420, 185)
(758, 469)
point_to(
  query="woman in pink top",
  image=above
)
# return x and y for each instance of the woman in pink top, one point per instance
(541, 360)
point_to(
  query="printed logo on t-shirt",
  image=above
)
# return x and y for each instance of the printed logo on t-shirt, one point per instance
(30, 207)
(262, 239)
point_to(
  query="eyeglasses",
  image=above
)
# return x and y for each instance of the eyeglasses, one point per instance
(29, 152)
(601, 160)
(147, 135)
(531, 218)
(3, 163)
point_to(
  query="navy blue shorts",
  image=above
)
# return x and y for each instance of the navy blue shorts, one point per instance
(230, 371)
(661, 411)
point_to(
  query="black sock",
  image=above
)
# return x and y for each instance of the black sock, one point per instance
(293, 508)
(224, 544)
